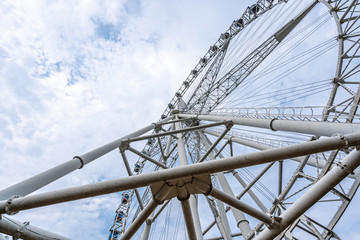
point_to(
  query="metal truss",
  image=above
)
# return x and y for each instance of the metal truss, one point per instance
(195, 152)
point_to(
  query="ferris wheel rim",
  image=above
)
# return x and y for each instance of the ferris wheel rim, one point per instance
(340, 52)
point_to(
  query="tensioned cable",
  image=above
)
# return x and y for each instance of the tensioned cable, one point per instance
(275, 94)
(249, 42)
(238, 49)
(262, 37)
(260, 183)
(276, 79)
(256, 186)
(252, 94)
(271, 134)
(326, 44)
(282, 56)
(310, 94)
(252, 81)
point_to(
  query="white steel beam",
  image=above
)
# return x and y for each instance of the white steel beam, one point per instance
(146, 179)
(313, 128)
(191, 202)
(242, 222)
(232, 201)
(158, 199)
(26, 231)
(314, 194)
(318, 163)
(38, 181)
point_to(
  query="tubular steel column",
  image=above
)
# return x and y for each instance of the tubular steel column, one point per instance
(38, 181)
(313, 128)
(12, 227)
(146, 179)
(242, 222)
(158, 199)
(191, 201)
(309, 198)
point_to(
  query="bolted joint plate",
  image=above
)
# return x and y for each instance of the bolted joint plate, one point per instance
(182, 188)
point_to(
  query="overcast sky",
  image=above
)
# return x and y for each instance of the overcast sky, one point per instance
(75, 75)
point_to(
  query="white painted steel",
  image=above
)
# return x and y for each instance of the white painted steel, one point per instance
(146, 179)
(313, 128)
(315, 193)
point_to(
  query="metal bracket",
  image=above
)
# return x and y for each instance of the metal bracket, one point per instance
(8, 205)
(345, 168)
(271, 124)
(81, 161)
(124, 145)
(157, 128)
(229, 124)
(274, 222)
(344, 139)
(19, 231)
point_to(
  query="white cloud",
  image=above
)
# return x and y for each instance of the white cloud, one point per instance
(75, 75)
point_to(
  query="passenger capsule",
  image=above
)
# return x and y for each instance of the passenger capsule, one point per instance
(150, 141)
(186, 83)
(239, 23)
(171, 106)
(194, 72)
(119, 217)
(254, 9)
(125, 198)
(144, 152)
(178, 95)
(225, 36)
(213, 48)
(114, 235)
(163, 116)
(203, 60)
(137, 167)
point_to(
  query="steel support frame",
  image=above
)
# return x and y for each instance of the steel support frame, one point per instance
(158, 199)
(242, 222)
(313, 128)
(40, 180)
(146, 179)
(315, 193)
(188, 205)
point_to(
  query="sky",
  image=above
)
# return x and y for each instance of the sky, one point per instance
(75, 75)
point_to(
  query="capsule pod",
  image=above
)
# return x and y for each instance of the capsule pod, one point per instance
(225, 36)
(119, 217)
(239, 23)
(150, 141)
(186, 83)
(213, 48)
(171, 106)
(163, 116)
(114, 235)
(125, 198)
(203, 60)
(254, 9)
(178, 95)
(194, 72)
(137, 167)
(144, 152)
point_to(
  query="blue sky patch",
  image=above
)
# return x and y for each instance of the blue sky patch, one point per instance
(107, 31)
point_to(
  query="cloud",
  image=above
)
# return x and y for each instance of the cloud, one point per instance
(75, 75)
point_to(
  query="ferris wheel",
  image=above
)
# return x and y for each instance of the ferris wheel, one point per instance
(282, 62)
(259, 142)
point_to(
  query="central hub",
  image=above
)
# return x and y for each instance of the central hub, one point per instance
(182, 188)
